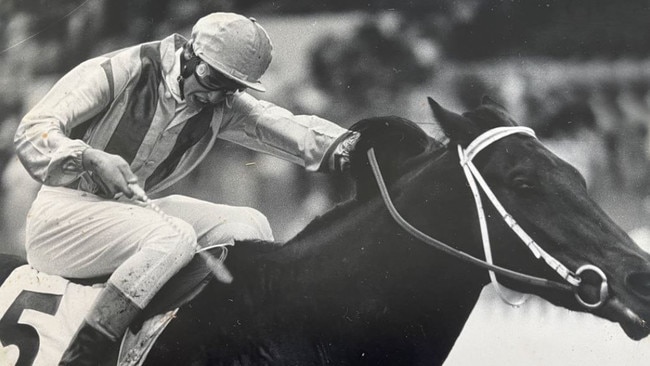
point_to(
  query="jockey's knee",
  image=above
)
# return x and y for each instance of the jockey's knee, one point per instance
(176, 240)
(242, 223)
(260, 228)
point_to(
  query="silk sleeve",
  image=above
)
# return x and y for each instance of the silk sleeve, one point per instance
(262, 126)
(42, 139)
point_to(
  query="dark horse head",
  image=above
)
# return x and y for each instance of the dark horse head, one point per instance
(355, 287)
(548, 198)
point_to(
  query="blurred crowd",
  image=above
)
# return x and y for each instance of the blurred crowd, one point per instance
(343, 66)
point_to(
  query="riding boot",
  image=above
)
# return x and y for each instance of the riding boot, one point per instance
(88, 347)
(102, 329)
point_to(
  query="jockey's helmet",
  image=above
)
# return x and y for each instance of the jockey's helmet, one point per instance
(234, 45)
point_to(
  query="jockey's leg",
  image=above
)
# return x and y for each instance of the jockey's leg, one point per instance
(129, 289)
(74, 234)
(217, 224)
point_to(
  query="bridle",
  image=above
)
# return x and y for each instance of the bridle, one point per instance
(473, 176)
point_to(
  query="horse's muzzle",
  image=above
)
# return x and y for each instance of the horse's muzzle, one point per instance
(634, 326)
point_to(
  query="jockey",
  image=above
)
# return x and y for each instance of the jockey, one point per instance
(147, 115)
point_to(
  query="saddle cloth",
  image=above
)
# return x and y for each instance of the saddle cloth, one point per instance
(39, 314)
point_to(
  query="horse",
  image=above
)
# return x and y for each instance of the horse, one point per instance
(390, 276)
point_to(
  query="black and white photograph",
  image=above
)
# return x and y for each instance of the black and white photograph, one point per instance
(324, 182)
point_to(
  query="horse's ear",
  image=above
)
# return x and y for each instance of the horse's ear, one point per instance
(457, 128)
(502, 116)
(394, 140)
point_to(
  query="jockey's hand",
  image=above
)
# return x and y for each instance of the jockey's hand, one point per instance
(110, 172)
(339, 160)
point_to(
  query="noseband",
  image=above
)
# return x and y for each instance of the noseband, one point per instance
(473, 176)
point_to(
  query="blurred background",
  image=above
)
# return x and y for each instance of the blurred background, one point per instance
(577, 71)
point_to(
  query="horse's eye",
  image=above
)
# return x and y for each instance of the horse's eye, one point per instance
(523, 183)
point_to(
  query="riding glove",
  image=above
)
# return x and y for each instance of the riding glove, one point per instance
(339, 159)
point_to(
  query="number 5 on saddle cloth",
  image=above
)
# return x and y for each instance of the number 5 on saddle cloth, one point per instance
(39, 314)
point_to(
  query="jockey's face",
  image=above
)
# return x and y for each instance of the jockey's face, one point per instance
(207, 86)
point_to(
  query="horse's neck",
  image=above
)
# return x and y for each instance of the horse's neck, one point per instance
(360, 246)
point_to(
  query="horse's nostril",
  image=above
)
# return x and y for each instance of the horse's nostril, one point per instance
(639, 282)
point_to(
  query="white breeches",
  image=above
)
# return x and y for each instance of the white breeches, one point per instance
(76, 234)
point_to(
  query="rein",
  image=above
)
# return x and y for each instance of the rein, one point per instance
(472, 175)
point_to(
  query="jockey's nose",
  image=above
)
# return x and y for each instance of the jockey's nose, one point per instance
(216, 96)
(639, 282)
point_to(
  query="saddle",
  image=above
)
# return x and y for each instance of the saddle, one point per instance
(55, 291)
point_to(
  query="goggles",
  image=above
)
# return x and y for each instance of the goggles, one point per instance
(213, 80)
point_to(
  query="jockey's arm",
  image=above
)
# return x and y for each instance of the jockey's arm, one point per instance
(42, 139)
(43, 143)
(307, 140)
